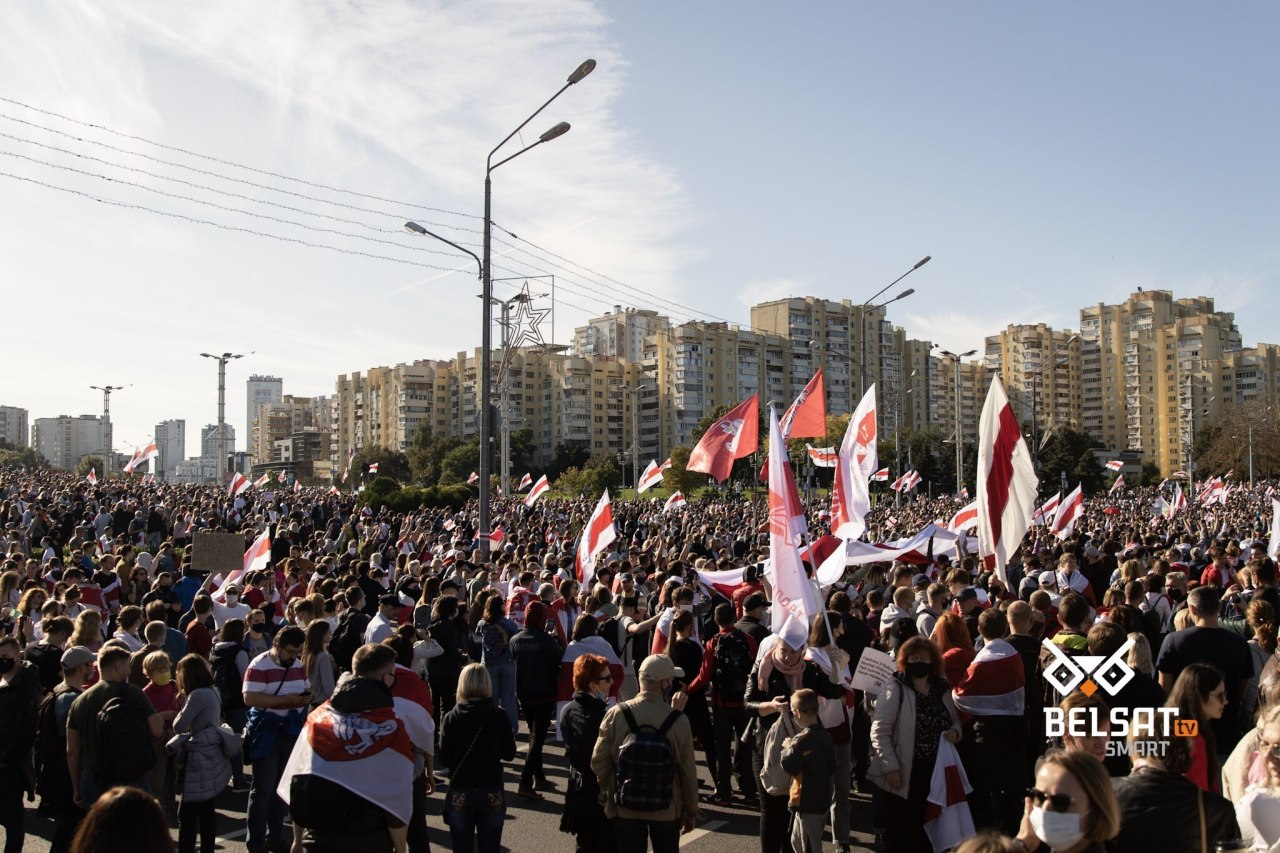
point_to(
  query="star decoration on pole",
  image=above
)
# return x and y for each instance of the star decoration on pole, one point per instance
(526, 321)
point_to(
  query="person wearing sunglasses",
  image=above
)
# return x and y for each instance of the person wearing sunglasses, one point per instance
(580, 721)
(1072, 808)
(1258, 811)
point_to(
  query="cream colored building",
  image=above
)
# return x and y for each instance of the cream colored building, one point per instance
(385, 406)
(1040, 368)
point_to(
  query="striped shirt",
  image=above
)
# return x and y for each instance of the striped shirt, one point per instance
(264, 675)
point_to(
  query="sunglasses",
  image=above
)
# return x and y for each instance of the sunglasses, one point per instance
(1056, 802)
(605, 677)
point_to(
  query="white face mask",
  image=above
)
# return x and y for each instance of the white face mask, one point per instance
(232, 599)
(687, 608)
(1059, 830)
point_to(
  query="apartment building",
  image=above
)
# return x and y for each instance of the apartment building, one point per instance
(13, 426)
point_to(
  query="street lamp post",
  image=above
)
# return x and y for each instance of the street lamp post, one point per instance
(635, 435)
(486, 295)
(222, 360)
(1035, 376)
(504, 401)
(903, 391)
(1261, 415)
(959, 432)
(1191, 433)
(108, 457)
(862, 312)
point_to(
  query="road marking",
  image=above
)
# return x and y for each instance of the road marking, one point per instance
(698, 833)
(232, 836)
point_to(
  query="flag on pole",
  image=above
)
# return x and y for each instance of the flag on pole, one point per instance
(297, 486)
(373, 467)
(1071, 509)
(807, 415)
(280, 478)
(964, 518)
(257, 557)
(795, 599)
(906, 482)
(855, 462)
(525, 482)
(822, 457)
(239, 482)
(1045, 513)
(596, 536)
(652, 475)
(539, 489)
(262, 481)
(881, 476)
(93, 477)
(1115, 465)
(1006, 482)
(1117, 485)
(734, 436)
(151, 451)
(333, 490)
(676, 501)
(474, 478)
(1163, 483)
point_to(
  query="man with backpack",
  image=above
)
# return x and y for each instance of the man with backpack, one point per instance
(349, 635)
(53, 780)
(110, 728)
(726, 666)
(644, 762)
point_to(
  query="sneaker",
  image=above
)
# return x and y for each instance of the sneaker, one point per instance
(546, 785)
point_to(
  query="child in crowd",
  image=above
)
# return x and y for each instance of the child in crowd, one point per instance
(810, 758)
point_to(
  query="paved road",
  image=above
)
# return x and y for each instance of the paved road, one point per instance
(531, 828)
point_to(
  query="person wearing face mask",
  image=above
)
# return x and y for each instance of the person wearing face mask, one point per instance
(20, 694)
(228, 605)
(583, 815)
(913, 711)
(361, 803)
(1073, 808)
(681, 600)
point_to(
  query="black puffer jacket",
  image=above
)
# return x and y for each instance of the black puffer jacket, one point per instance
(19, 715)
(538, 656)
(580, 726)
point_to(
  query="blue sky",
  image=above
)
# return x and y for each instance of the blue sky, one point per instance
(1047, 156)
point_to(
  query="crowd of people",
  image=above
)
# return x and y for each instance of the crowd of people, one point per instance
(378, 663)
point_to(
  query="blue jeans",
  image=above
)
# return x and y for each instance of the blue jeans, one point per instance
(503, 678)
(266, 809)
(475, 817)
(634, 835)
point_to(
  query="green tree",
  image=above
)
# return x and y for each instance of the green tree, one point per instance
(678, 477)
(88, 463)
(427, 452)
(602, 472)
(458, 463)
(1150, 475)
(524, 454)
(568, 454)
(23, 457)
(1071, 451)
(391, 463)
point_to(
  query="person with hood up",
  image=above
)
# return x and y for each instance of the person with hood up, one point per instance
(538, 656)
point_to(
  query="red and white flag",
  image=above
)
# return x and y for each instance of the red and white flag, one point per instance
(495, 538)
(1179, 475)
(906, 482)
(676, 501)
(140, 456)
(257, 557)
(964, 518)
(333, 490)
(1071, 509)
(525, 482)
(948, 820)
(881, 476)
(732, 437)
(373, 467)
(369, 753)
(807, 415)
(1046, 512)
(297, 486)
(262, 481)
(280, 478)
(995, 684)
(856, 460)
(724, 581)
(539, 489)
(1117, 485)
(1006, 482)
(1115, 465)
(598, 534)
(93, 477)
(474, 478)
(239, 482)
(449, 524)
(412, 698)
(822, 457)
(795, 599)
(652, 475)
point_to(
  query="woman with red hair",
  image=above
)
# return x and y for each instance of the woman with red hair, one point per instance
(952, 637)
(580, 725)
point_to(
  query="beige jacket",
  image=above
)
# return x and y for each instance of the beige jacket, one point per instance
(893, 734)
(649, 709)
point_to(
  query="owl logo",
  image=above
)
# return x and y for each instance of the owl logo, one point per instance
(1088, 672)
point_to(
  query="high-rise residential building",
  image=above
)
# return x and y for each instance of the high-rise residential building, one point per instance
(209, 440)
(171, 441)
(973, 382)
(1041, 370)
(385, 407)
(275, 421)
(620, 334)
(259, 389)
(65, 440)
(13, 426)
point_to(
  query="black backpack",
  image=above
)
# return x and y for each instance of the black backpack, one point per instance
(227, 677)
(348, 637)
(613, 636)
(732, 665)
(646, 768)
(125, 751)
(53, 780)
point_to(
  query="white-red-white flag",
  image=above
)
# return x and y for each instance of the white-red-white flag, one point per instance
(1115, 465)
(373, 467)
(652, 475)
(539, 489)
(676, 501)
(474, 478)
(855, 464)
(297, 486)
(1006, 482)
(257, 557)
(906, 482)
(806, 417)
(280, 478)
(93, 477)
(734, 436)
(525, 482)
(262, 481)
(881, 476)
(140, 456)
(795, 599)
(239, 482)
(822, 457)
(1117, 485)
(333, 490)
(1072, 508)
(964, 518)
(597, 535)
(1044, 515)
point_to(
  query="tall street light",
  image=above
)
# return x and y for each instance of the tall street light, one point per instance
(222, 360)
(870, 304)
(109, 457)
(504, 402)
(1035, 376)
(959, 432)
(486, 294)
(635, 434)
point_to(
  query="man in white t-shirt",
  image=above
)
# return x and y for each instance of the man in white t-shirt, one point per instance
(383, 625)
(234, 608)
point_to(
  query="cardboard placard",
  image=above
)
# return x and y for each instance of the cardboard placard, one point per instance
(217, 552)
(874, 669)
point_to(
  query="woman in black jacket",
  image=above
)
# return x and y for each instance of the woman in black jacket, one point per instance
(580, 725)
(779, 671)
(443, 670)
(475, 739)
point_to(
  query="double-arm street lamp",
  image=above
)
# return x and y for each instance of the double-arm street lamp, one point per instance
(959, 432)
(870, 304)
(486, 295)
(108, 458)
(221, 443)
(1036, 376)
